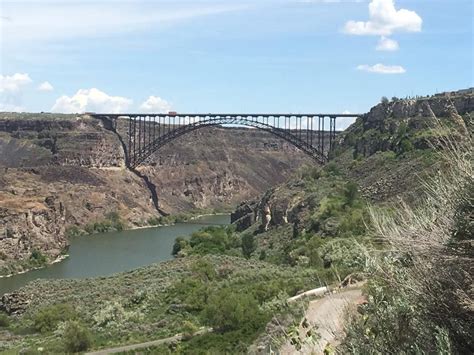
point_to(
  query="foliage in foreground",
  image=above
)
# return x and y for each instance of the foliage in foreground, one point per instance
(420, 293)
(235, 296)
(77, 338)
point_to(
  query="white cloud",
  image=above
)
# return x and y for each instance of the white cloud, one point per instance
(387, 44)
(11, 108)
(92, 100)
(45, 86)
(384, 20)
(11, 90)
(155, 104)
(14, 83)
(382, 69)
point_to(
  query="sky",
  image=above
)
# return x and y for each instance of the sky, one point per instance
(285, 56)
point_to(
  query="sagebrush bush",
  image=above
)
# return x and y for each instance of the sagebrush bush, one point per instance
(76, 337)
(420, 292)
(4, 320)
(228, 310)
(47, 318)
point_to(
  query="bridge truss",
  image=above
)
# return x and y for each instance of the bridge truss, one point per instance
(143, 134)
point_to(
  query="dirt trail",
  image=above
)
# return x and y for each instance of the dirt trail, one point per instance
(133, 347)
(327, 317)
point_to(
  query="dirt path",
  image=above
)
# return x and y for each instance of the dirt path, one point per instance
(327, 317)
(145, 345)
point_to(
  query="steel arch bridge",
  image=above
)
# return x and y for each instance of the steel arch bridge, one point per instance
(313, 134)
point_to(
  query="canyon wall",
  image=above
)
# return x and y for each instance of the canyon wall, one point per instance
(61, 170)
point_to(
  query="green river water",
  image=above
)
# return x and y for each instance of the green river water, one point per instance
(109, 253)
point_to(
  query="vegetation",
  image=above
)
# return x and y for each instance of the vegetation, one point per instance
(227, 310)
(419, 293)
(182, 217)
(248, 245)
(47, 319)
(111, 223)
(76, 337)
(36, 260)
(162, 300)
(168, 220)
(4, 320)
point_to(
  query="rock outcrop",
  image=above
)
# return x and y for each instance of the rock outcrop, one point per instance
(371, 153)
(385, 126)
(30, 224)
(14, 303)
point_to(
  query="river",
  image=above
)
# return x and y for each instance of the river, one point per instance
(109, 253)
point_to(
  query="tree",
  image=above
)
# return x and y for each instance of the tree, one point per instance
(384, 100)
(228, 310)
(179, 244)
(47, 318)
(76, 337)
(248, 245)
(350, 193)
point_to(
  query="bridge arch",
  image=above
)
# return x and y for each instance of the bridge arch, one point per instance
(147, 133)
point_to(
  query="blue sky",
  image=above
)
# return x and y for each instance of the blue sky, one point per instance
(233, 56)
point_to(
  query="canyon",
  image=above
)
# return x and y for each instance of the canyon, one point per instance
(60, 170)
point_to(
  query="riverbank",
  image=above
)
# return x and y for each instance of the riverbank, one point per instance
(55, 261)
(104, 254)
(192, 218)
(109, 224)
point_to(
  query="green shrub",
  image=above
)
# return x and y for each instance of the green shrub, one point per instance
(4, 320)
(179, 244)
(189, 328)
(46, 319)
(332, 169)
(73, 231)
(111, 223)
(350, 193)
(248, 245)
(37, 257)
(210, 240)
(76, 337)
(153, 221)
(204, 270)
(228, 310)
(405, 145)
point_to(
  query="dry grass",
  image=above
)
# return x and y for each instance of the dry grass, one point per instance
(427, 270)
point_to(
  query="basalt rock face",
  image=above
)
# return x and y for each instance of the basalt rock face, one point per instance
(218, 168)
(385, 152)
(391, 145)
(78, 162)
(14, 303)
(244, 215)
(31, 224)
(29, 140)
(387, 124)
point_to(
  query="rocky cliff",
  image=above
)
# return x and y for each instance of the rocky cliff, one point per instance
(386, 152)
(79, 164)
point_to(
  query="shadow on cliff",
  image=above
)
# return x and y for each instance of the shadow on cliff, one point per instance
(111, 126)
